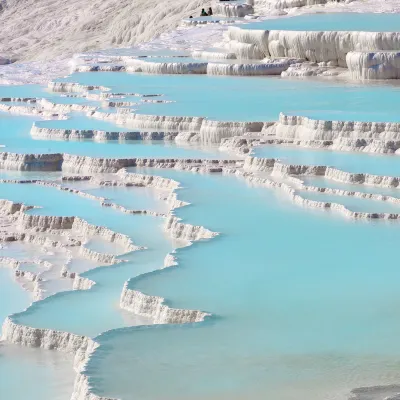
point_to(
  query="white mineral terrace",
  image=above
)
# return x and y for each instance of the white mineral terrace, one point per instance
(366, 55)
(50, 246)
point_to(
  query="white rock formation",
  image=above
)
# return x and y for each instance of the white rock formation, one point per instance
(31, 111)
(211, 55)
(374, 137)
(31, 162)
(374, 65)
(215, 131)
(64, 108)
(328, 46)
(86, 25)
(151, 121)
(179, 230)
(100, 136)
(150, 67)
(154, 307)
(233, 10)
(82, 164)
(43, 338)
(267, 67)
(73, 87)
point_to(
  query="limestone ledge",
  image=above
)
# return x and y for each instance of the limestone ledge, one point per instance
(31, 111)
(179, 230)
(99, 68)
(346, 133)
(208, 131)
(154, 307)
(210, 55)
(81, 347)
(240, 145)
(150, 67)
(321, 69)
(233, 10)
(343, 144)
(171, 123)
(101, 136)
(121, 95)
(31, 162)
(369, 65)
(352, 193)
(74, 87)
(264, 67)
(322, 46)
(170, 260)
(273, 166)
(64, 108)
(8, 207)
(335, 207)
(42, 338)
(268, 66)
(30, 100)
(49, 224)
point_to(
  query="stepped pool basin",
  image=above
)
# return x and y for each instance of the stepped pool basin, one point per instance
(329, 183)
(346, 161)
(268, 336)
(370, 22)
(94, 311)
(261, 98)
(303, 303)
(353, 203)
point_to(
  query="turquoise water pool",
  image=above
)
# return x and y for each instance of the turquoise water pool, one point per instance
(302, 307)
(371, 22)
(353, 203)
(346, 161)
(269, 338)
(261, 98)
(329, 183)
(92, 312)
(15, 136)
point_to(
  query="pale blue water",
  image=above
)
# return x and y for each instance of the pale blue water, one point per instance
(46, 375)
(45, 378)
(353, 203)
(261, 98)
(133, 198)
(97, 310)
(270, 337)
(329, 183)
(371, 22)
(15, 136)
(346, 161)
(12, 296)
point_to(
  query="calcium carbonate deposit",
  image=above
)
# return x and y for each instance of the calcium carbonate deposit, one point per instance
(211, 214)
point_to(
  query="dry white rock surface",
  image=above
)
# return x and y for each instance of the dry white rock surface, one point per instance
(43, 29)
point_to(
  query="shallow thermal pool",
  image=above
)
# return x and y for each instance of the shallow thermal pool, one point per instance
(353, 203)
(268, 338)
(329, 183)
(261, 98)
(301, 307)
(97, 310)
(15, 137)
(370, 22)
(347, 161)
